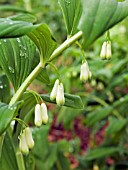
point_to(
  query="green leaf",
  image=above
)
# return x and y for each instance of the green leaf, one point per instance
(23, 17)
(12, 8)
(10, 28)
(98, 115)
(52, 157)
(72, 101)
(100, 15)
(121, 101)
(16, 59)
(72, 10)
(63, 146)
(63, 162)
(29, 103)
(100, 152)
(66, 115)
(41, 148)
(115, 125)
(7, 113)
(29, 162)
(46, 155)
(43, 39)
(43, 75)
(8, 159)
(4, 89)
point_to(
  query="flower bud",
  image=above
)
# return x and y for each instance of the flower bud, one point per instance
(85, 73)
(44, 113)
(38, 118)
(29, 139)
(95, 167)
(109, 51)
(60, 100)
(54, 90)
(103, 51)
(23, 144)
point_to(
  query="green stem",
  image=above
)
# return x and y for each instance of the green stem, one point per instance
(20, 161)
(66, 44)
(82, 50)
(1, 143)
(26, 83)
(58, 165)
(27, 4)
(55, 68)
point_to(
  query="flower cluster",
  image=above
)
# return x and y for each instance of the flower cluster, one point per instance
(26, 141)
(106, 52)
(85, 73)
(41, 115)
(58, 93)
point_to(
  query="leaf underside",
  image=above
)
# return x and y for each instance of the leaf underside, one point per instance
(72, 101)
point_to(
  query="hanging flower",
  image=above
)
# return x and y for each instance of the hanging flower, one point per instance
(85, 73)
(44, 113)
(23, 144)
(106, 52)
(38, 117)
(60, 99)
(29, 139)
(109, 51)
(54, 90)
(103, 51)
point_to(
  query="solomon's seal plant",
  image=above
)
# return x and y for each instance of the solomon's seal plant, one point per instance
(26, 50)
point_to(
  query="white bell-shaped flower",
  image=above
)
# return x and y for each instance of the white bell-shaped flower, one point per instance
(44, 113)
(29, 138)
(85, 73)
(54, 90)
(23, 144)
(106, 51)
(109, 51)
(103, 51)
(38, 117)
(60, 99)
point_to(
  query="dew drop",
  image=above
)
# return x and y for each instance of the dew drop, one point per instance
(1, 86)
(10, 108)
(21, 53)
(18, 40)
(11, 69)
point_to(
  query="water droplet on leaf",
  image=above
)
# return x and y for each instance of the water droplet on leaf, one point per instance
(11, 69)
